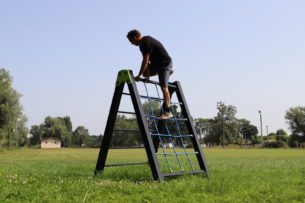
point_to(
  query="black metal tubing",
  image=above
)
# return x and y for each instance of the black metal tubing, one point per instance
(143, 125)
(157, 99)
(191, 129)
(169, 119)
(126, 130)
(172, 85)
(182, 173)
(125, 164)
(116, 100)
(127, 112)
(127, 147)
(174, 136)
(177, 153)
(153, 98)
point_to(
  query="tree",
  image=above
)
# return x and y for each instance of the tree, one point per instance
(80, 135)
(22, 131)
(281, 135)
(226, 126)
(123, 137)
(58, 127)
(66, 121)
(10, 113)
(247, 130)
(281, 132)
(204, 127)
(296, 119)
(36, 132)
(94, 140)
(152, 106)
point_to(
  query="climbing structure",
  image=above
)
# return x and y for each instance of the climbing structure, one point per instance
(180, 152)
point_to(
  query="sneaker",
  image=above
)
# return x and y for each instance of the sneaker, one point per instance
(166, 115)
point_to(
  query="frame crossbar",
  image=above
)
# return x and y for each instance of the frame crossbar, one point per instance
(153, 98)
(126, 130)
(126, 164)
(172, 85)
(183, 173)
(169, 119)
(177, 153)
(173, 136)
(127, 112)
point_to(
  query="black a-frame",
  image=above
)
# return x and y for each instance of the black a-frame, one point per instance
(151, 144)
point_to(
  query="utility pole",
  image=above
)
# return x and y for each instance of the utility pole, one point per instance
(261, 122)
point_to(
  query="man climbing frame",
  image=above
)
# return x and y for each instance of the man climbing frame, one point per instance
(156, 61)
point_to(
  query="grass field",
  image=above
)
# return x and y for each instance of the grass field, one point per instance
(236, 175)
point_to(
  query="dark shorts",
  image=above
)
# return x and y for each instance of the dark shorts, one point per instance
(162, 74)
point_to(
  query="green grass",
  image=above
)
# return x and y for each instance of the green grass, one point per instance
(66, 175)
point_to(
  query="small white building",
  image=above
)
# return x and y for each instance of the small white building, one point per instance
(50, 143)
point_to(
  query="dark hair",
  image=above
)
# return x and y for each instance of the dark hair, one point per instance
(133, 33)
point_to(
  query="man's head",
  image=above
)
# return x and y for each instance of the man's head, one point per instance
(134, 36)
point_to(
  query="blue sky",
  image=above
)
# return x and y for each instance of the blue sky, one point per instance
(65, 55)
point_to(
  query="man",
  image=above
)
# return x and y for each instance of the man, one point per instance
(156, 61)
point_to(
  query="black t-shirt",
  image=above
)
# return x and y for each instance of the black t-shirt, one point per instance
(158, 57)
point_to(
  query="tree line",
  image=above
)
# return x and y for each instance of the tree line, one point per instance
(226, 129)
(13, 123)
(223, 129)
(61, 128)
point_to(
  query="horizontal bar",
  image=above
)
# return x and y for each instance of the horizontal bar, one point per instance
(177, 153)
(126, 130)
(172, 119)
(182, 173)
(127, 147)
(126, 164)
(175, 136)
(154, 98)
(157, 83)
(158, 99)
(124, 93)
(127, 112)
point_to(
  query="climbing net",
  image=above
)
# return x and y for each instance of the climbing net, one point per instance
(172, 141)
(171, 145)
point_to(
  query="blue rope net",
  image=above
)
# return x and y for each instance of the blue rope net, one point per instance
(169, 134)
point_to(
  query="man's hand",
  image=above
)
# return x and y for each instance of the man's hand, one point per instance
(137, 78)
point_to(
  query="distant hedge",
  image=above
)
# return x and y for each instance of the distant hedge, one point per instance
(275, 144)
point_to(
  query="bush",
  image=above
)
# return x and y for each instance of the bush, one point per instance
(275, 144)
(282, 144)
(270, 137)
(256, 140)
(294, 144)
(282, 138)
(302, 145)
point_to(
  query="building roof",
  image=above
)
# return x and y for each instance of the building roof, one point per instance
(53, 138)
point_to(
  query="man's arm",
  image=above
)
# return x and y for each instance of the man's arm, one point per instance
(144, 65)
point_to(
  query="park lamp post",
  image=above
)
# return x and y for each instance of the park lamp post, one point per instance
(260, 118)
